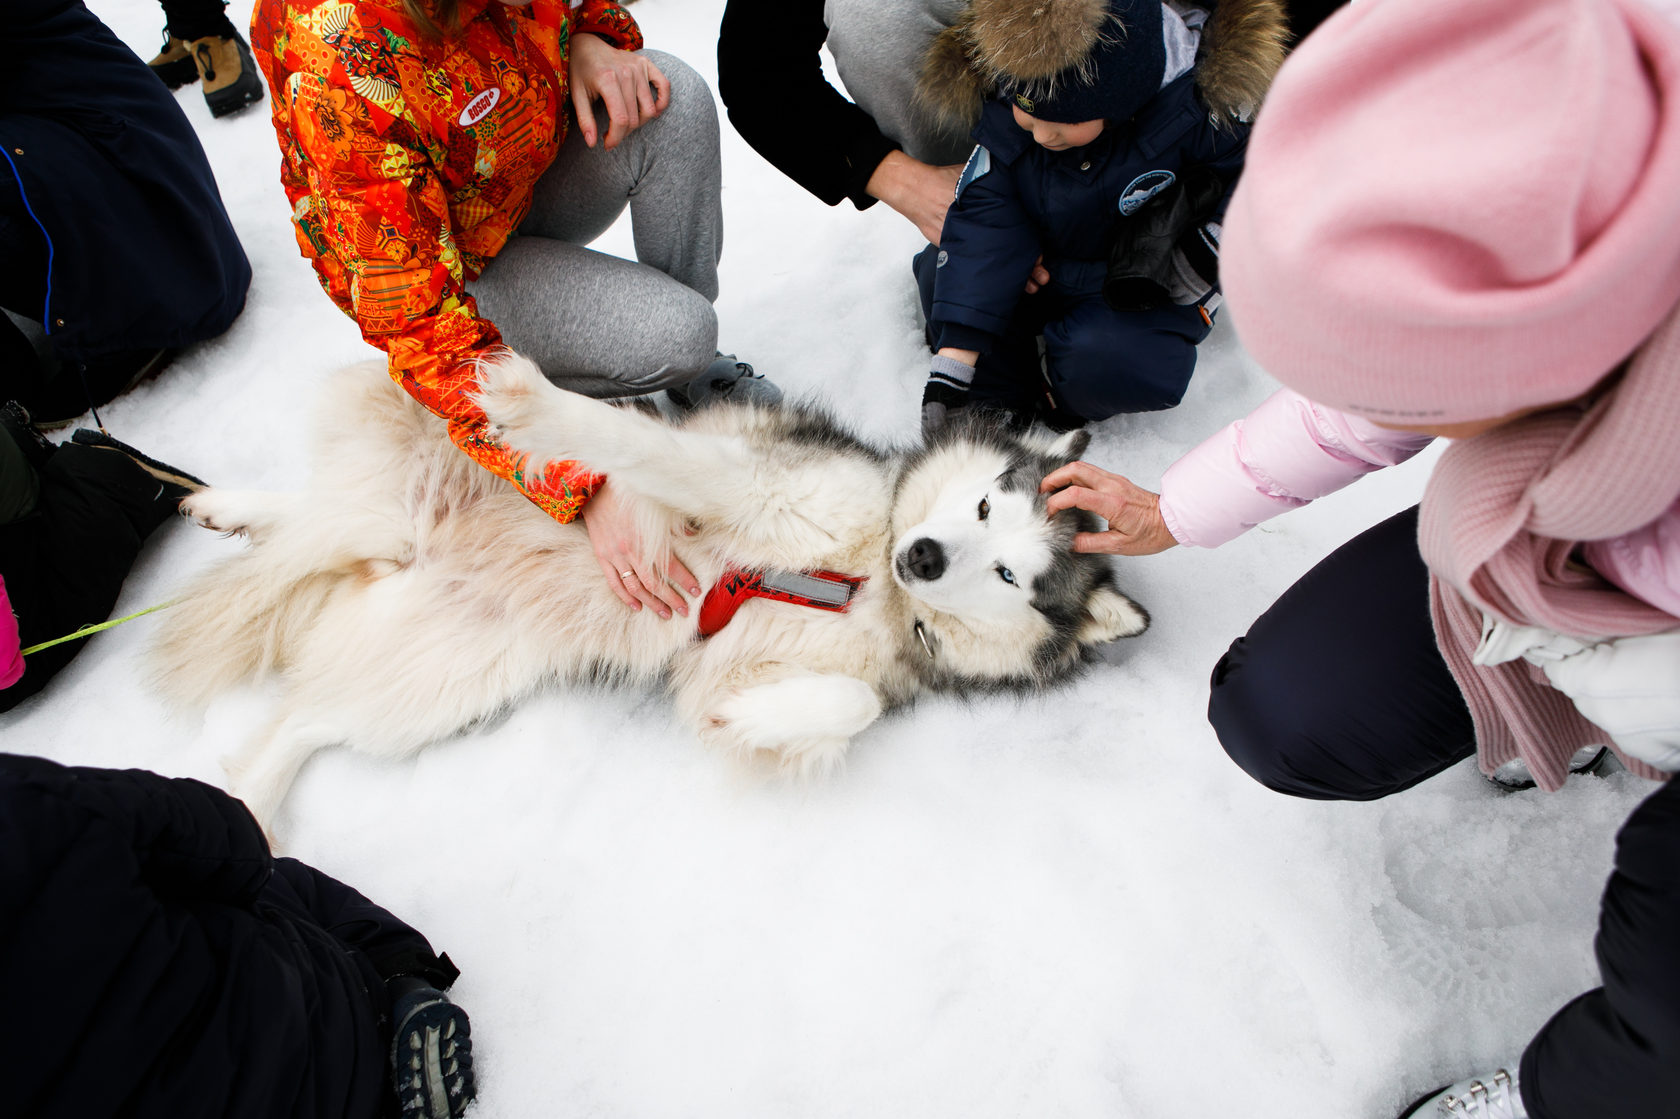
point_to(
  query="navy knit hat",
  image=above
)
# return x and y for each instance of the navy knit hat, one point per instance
(1068, 61)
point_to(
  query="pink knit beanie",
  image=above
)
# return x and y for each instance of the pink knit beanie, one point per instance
(1453, 211)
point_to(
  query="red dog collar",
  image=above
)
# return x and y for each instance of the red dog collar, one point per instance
(824, 590)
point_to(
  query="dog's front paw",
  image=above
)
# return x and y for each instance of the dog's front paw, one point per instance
(805, 722)
(803, 757)
(514, 395)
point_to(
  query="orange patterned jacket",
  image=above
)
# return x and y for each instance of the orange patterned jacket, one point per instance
(409, 162)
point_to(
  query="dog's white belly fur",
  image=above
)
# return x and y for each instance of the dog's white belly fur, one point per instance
(409, 594)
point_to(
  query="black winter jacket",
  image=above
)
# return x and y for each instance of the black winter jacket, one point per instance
(151, 968)
(1018, 200)
(143, 253)
(770, 79)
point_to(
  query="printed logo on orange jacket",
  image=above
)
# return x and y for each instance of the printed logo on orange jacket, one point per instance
(479, 107)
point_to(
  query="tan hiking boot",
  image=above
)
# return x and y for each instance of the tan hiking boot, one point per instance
(228, 71)
(174, 63)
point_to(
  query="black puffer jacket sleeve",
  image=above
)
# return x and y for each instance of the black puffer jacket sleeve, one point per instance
(986, 254)
(771, 80)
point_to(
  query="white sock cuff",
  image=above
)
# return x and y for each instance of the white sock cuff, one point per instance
(957, 374)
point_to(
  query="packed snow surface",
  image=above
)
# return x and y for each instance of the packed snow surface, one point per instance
(1069, 905)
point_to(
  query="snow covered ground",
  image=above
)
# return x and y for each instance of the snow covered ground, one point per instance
(1073, 905)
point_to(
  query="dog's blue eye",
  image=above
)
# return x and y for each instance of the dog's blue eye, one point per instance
(985, 508)
(1006, 575)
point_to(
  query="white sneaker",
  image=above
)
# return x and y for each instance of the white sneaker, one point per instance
(1491, 1097)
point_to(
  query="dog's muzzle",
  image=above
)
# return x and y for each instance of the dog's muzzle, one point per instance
(924, 559)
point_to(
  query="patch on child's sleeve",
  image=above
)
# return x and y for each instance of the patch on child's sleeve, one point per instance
(978, 164)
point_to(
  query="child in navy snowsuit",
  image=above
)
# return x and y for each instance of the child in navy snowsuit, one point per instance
(1105, 161)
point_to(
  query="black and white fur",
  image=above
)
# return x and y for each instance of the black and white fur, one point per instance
(407, 592)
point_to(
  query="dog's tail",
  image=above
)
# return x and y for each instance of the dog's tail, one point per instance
(232, 623)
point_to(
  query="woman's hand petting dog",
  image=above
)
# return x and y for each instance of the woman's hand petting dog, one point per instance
(1135, 524)
(611, 523)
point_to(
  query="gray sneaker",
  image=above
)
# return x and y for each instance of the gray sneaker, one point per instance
(725, 379)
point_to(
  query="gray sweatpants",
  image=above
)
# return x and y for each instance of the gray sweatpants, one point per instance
(878, 47)
(599, 324)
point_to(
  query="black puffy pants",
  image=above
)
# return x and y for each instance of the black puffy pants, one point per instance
(195, 19)
(388, 944)
(1338, 692)
(58, 388)
(1096, 361)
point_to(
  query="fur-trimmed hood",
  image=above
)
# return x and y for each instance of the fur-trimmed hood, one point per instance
(1243, 44)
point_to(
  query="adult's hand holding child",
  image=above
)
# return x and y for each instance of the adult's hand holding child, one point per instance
(920, 191)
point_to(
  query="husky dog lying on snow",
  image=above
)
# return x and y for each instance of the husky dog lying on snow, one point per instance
(409, 592)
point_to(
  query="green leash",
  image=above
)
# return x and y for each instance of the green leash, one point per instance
(88, 631)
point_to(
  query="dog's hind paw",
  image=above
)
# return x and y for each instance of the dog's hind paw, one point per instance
(215, 509)
(252, 513)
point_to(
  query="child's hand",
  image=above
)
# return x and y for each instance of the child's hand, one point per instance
(1039, 275)
(940, 403)
(947, 388)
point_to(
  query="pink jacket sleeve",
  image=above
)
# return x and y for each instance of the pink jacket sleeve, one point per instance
(1284, 454)
(11, 654)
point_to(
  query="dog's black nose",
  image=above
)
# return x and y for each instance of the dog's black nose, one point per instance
(925, 558)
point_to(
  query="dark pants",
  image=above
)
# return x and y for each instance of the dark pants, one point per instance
(19, 364)
(197, 19)
(1070, 350)
(51, 389)
(65, 562)
(1338, 692)
(380, 943)
(23, 291)
(388, 945)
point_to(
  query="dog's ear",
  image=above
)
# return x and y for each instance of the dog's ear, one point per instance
(1109, 616)
(1069, 446)
(1059, 449)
